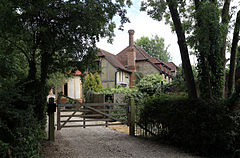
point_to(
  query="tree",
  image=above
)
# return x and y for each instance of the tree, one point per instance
(150, 84)
(206, 31)
(98, 82)
(156, 12)
(238, 58)
(178, 83)
(234, 53)
(155, 47)
(55, 35)
(92, 83)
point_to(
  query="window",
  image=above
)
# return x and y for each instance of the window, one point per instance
(120, 76)
(65, 89)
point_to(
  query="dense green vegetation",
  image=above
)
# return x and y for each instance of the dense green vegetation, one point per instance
(92, 82)
(206, 122)
(205, 127)
(155, 47)
(208, 128)
(41, 40)
(202, 25)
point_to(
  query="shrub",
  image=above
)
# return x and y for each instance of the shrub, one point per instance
(150, 84)
(98, 82)
(20, 132)
(205, 127)
(92, 83)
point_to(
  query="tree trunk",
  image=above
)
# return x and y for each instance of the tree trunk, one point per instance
(42, 89)
(187, 68)
(205, 83)
(231, 79)
(225, 21)
(32, 70)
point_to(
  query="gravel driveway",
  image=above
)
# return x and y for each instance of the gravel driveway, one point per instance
(101, 142)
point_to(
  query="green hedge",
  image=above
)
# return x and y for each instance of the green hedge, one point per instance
(20, 132)
(205, 127)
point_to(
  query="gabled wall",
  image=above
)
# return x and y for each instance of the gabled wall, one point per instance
(108, 73)
(146, 68)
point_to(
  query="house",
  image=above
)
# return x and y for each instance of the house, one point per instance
(112, 71)
(121, 68)
(72, 88)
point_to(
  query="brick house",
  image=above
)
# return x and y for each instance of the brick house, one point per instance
(121, 68)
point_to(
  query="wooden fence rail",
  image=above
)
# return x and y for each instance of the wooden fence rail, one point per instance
(110, 113)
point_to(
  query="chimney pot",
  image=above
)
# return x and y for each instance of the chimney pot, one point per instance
(131, 38)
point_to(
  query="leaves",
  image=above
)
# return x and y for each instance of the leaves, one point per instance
(150, 84)
(155, 47)
(92, 83)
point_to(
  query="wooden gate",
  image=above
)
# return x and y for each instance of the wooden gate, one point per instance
(76, 114)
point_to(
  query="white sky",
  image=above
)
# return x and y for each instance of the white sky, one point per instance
(143, 26)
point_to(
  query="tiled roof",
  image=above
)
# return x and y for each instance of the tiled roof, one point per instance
(120, 60)
(112, 59)
(77, 73)
(141, 55)
(172, 66)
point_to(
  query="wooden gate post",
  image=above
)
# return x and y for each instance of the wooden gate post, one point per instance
(132, 118)
(58, 112)
(51, 110)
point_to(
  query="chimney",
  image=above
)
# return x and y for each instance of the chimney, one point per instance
(131, 57)
(131, 39)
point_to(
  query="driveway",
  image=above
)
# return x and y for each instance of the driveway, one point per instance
(102, 142)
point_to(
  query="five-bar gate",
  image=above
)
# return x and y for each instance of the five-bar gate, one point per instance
(76, 114)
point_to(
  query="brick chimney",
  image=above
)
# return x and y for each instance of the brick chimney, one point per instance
(131, 39)
(131, 57)
(131, 54)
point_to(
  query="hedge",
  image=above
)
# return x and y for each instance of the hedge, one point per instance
(200, 126)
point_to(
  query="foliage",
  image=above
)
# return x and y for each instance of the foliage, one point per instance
(206, 24)
(157, 10)
(207, 44)
(55, 36)
(99, 85)
(155, 47)
(12, 65)
(118, 90)
(92, 83)
(57, 79)
(150, 84)
(178, 83)
(37, 39)
(131, 93)
(20, 132)
(205, 127)
(139, 76)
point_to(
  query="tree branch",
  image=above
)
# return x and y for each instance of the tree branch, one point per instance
(18, 47)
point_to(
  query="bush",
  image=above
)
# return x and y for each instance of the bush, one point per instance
(92, 83)
(150, 84)
(205, 127)
(20, 132)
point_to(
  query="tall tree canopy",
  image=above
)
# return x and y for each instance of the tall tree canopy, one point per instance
(55, 34)
(154, 47)
(206, 25)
